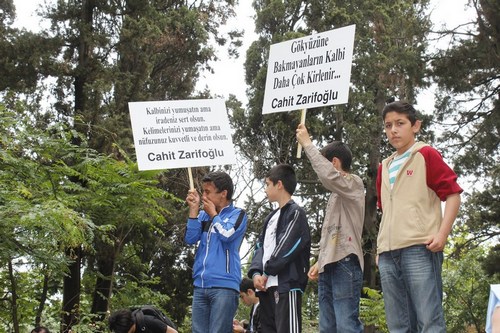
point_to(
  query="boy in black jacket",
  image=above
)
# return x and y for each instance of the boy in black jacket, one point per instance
(249, 298)
(281, 260)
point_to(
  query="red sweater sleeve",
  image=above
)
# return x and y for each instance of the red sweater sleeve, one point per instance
(440, 177)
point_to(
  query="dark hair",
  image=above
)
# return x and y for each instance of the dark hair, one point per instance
(121, 321)
(401, 107)
(286, 174)
(221, 181)
(40, 329)
(339, 150)
(246, 284)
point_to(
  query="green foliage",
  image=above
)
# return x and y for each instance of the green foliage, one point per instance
(99, 56)
(468, 98)
(491, 263)
(56, 195)
(372, 311)
(466, 290)
(468, 109)
(137, 293)
(89, 323)
(28, 286)
(310, 307)
(479, 220)
(39, 217)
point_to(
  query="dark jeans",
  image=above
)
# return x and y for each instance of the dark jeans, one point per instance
(339, 291)
(214, 309)
(413, 291)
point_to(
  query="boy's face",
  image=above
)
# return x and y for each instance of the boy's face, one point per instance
(246, 299)
(400, 131)
(272, 190)
(211, 193)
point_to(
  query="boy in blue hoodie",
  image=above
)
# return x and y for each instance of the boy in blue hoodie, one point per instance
(218, 229)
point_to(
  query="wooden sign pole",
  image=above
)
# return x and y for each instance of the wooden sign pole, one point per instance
(302, 121)
(191, 183)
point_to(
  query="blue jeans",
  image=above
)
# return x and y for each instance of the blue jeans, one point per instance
(213, 310)
(339, 290)
(413, 290)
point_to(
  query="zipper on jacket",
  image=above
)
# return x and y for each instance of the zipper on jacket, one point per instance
(206, 255)
(398, 176)
(228, 262)
(390, 224)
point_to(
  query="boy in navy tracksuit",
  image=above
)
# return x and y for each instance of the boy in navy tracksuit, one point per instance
(281, 260)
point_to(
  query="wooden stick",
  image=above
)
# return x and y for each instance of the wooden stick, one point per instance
(302, 121)
(191, 183)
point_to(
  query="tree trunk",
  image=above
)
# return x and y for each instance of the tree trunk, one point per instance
(71, 290)
(371, 221)
(43, 299)
(82, 71)
(13, 284)
(104, 281)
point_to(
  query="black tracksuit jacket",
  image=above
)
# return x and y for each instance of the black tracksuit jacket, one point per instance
(290, 258)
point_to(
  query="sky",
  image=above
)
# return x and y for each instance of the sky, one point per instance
(229, 75)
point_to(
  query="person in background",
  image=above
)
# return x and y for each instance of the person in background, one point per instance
(340, 260)
(411, 183)
(249, 298)
(218, 230)
(40, 329)
(281, 259)
(123, 321)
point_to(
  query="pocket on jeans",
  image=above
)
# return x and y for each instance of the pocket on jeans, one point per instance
(343, 280)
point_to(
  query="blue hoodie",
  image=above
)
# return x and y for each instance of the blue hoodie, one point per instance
(217, 261)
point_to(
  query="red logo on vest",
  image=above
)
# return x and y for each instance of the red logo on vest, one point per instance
(409, 172)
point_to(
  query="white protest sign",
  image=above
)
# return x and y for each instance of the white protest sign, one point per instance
(179, 134)
(309, 72)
